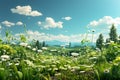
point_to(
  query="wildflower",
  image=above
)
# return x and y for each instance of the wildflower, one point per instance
(53, 50)
(17, 64)
(34, 49)
(106, 71)
(39, 51)
(5, 57)
(82, 71)
(29, 47)
(10, 64)
(93, 58)
(44, 48)
(57, 74)
(74, 54)
(23, 44)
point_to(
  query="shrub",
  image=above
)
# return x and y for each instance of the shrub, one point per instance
(112, 51)
(6, 49)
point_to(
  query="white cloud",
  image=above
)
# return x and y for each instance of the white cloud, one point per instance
(19, 23)
(8, 24)
(104, 24)
(67, 18)
(50, 23)
(106, 20)
(26, 10)
(60, 37)
(94, 23)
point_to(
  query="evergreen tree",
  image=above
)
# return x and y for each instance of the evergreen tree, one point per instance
(107, 40)
(69, 44)
(119, 39)
(38, 45)
(43, 44)
(113, 34)
(99, 41)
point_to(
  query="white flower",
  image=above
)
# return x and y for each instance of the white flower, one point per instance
(57, 74)
(75, 54)
(82, 71)
(106, 71)
(53, 50)
(34, 49)
(10, 64)
(17, 64)
(111, 41)
(5, 57)
(44, 48)
(39, 51)
(92, 58)
(23, 44)
(29, 47)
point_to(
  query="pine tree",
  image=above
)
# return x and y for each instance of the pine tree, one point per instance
(107, 40)
(43, 44)
(99, 41)
(113, 34)
(38, 45)
(69, 44)
(119, 39)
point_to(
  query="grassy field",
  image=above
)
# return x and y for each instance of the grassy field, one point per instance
(23, 62)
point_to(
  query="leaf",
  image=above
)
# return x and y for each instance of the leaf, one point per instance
(20, 75)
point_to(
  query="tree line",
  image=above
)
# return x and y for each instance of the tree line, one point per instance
(113, 36)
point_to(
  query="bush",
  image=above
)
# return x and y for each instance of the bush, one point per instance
(112, 51)
(6, 49)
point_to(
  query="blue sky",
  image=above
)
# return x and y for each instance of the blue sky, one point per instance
(63, 20)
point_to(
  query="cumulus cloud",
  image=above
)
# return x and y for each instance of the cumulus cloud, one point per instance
(104, 24)
(60, 37)
(67, 18)
(50, 23)
(106, 20)
(26, 10)
(8, 24)
(19, 23)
